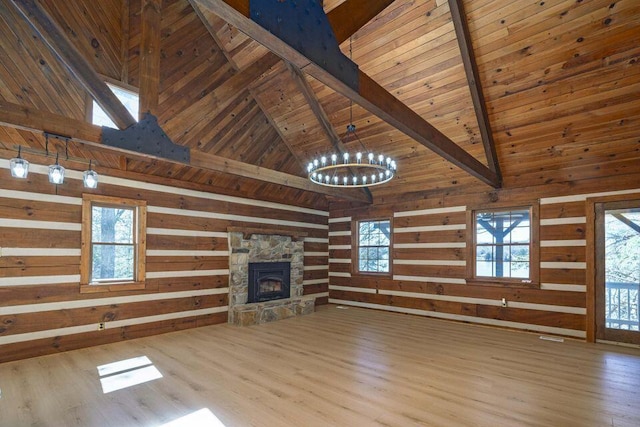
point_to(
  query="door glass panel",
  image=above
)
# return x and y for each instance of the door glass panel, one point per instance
(622, 268)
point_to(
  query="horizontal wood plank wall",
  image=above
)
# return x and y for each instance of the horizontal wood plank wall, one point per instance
(429, 264)
(41, 308)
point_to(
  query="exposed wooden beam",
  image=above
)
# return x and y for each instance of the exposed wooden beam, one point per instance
(370, 95)
(33, 120)
(473, 77)
(124, 40)
(212, 32)
(320, 114)
(350, 16)
(55, 38)
(150, 57)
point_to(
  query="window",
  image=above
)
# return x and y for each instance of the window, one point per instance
(504, 245)
(374, 240)
(113, 243)
(128, 98)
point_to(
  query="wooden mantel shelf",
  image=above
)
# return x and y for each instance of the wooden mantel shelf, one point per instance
(248, 231)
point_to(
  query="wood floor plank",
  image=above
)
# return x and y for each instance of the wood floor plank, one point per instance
(338, 366)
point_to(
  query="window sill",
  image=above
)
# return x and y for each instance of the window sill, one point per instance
(503, 283)
(111, 287)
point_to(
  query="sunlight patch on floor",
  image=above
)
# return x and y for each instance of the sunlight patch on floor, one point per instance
(202, 418)
(127, 373)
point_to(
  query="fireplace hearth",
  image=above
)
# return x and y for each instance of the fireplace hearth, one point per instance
(268, 281)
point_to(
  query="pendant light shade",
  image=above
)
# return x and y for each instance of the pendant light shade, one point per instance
(56, 173)
(90, 177)
(19, 167)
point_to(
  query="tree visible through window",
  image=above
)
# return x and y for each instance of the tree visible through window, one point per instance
(503, 244)
(374, 239)
(113, 241)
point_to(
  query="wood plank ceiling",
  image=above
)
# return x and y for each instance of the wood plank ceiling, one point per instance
(561, 82)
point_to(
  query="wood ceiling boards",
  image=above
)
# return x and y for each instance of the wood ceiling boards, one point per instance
(560, 81)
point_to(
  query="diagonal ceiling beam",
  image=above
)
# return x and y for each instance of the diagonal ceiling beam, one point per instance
(150, 57)
(58, 42)
(33, 120)
(370, 95)
(350, 16)
(473, 77)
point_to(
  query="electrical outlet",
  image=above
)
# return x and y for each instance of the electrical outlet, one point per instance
(102, 326)
(504, 302)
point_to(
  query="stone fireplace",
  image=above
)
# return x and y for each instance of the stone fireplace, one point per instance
(272, 289)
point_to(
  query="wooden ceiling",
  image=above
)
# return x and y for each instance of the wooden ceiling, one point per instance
(560, 79)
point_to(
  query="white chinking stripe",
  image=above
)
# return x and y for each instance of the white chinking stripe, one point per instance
(564, 265)
(67, 305)
(41, 225)
(316, 253)
(186, 273)
(339, 260)
(339, 233)
(39, 197)
(433, 211)
(39, 252)
(315, 267)
(316, 240)
(39, 280)
(167, 252)
(124, 182)
(486, 301)
(339, 274)
(352, 289)
(445, 245)
(315, 281)
(430, 279)
(583, 197)
(426, 228)
(340, 247)
(230, 217)
(341, 219)
(31, 336)
(436, 262)
(562, 221)
(186, 233)
(562, 243)
(563, 287)
(470, 319)
(319, 294)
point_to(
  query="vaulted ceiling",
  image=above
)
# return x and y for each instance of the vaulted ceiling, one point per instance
(560, 81)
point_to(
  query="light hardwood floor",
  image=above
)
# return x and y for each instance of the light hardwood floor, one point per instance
(336, 367)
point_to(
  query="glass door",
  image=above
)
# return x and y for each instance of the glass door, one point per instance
(618, 271)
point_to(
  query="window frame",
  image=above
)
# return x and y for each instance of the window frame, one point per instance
(355, 244)
(140, 243)
(534, 248)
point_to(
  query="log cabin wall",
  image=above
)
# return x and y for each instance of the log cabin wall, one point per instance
(429, 257)
(41, 308)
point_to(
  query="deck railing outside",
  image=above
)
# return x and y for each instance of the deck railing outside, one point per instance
(622, 306)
